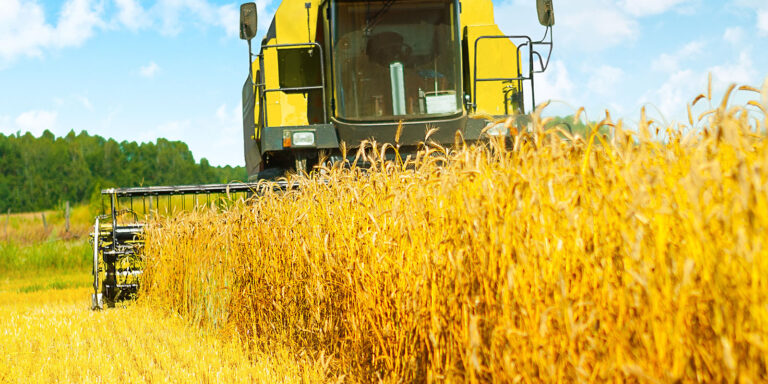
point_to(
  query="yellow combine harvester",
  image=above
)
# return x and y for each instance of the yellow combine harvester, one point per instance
(333, 71)
(343, 71)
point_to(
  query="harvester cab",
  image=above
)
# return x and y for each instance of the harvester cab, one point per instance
(333, 71)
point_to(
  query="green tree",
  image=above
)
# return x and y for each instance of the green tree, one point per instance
(41, 172)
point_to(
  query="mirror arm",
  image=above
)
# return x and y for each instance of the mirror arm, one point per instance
(546, 33)
(250, 63)
(549, 32)
(541, 63)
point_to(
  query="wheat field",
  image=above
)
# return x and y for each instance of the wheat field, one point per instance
(634, 257)
(639, 256)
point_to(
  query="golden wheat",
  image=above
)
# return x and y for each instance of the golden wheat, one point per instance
(590, 259)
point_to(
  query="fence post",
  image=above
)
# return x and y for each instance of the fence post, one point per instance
(7, 222)
(66, 216)
(45, 225)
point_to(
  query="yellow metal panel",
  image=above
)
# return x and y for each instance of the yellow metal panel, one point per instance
(294, 24)
(496, 58)
(476, 12)
(291, 21)
(255, 72)
(294, 109)
(272, 100)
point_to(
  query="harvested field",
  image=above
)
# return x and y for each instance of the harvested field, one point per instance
(50, 335)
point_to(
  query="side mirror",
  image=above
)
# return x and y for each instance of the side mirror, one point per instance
(248, 21)
(546, 12)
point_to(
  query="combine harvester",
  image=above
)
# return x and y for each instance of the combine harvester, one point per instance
(342, 71)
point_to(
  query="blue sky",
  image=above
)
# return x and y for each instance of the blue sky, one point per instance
(138, 70)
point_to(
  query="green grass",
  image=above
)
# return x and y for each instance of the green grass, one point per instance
(49, 280)
(58, 283)
(46, 257)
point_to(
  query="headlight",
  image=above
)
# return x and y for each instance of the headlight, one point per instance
(497, 130)
(303, 139)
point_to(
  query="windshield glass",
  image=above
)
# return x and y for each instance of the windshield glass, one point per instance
(396, 59)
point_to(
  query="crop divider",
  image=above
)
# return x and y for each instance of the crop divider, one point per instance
(118, 233)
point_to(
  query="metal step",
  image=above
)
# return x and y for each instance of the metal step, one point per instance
(128, 273)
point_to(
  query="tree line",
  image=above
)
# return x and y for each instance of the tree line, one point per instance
(38, 173)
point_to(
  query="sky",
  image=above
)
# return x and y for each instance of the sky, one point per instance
(138, 70)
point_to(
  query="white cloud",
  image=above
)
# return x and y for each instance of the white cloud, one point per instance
(149, 70)
(223, 147)
(77, 22)
(170, 12)
(649, 7)
(672, 97)
(605, 80)
(554, 84)
(760, 9)
(229, 19)
(588, 25)
(665, 63)
(265, 18)
(131, 14)
(36, 121)
(692, 48)
(229, 117)
(73, 100)
(85, 102)
(762, 21)
(670, 62)
(226, 148)
(682, 85)
(171, 16)
(5, 125)
(741, 72)
(25, 32)
(173, 129)
(612, 29)
(734, 35)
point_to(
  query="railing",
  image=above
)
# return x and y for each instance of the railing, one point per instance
(262, 83)
(520, 78)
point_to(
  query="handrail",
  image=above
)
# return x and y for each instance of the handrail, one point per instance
(262, 82)
(520, 77)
